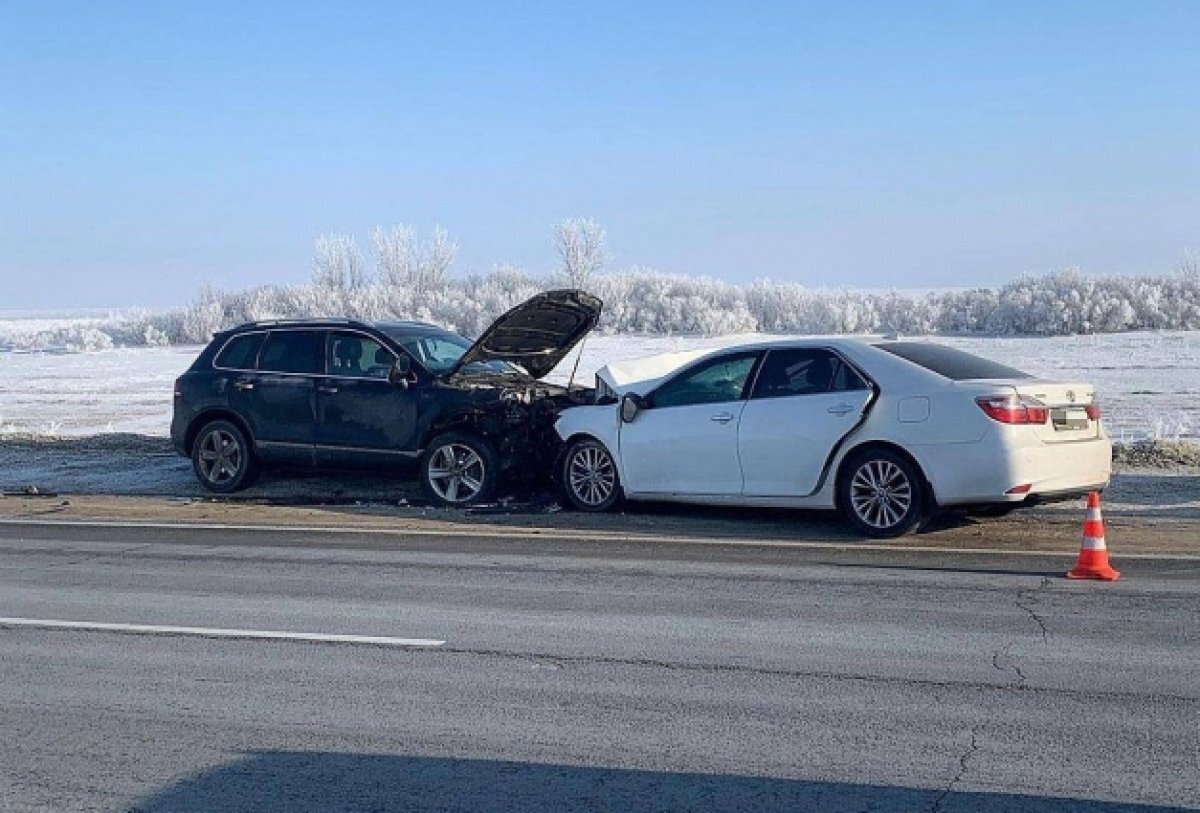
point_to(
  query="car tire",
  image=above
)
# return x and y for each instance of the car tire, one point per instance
(588, 477)
(458, 470)
(882, 493)
(222, 458)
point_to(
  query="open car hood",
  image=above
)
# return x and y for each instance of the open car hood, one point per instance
(537, 334)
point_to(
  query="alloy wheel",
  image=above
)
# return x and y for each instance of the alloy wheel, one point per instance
(456, 472)
(221, 456)
(592, 475)
(881, 494)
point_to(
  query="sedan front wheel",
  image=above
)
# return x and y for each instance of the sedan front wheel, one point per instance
(589, 477)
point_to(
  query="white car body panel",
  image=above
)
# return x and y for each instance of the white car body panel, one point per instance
(783, 442)
(683, 450)
(966, 456)
(642, 375)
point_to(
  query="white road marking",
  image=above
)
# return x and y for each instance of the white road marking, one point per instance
(214, 632)
(598, 536)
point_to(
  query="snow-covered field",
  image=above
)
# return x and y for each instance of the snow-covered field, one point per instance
(1149, 382)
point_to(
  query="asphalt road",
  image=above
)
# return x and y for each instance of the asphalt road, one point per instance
(587, 675)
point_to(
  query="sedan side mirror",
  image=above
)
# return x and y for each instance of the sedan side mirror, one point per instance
(631, 405)
(401, 373)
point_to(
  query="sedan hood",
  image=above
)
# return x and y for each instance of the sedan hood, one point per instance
(537, 334)
(644, 374)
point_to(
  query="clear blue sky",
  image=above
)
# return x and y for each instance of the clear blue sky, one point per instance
(148, 147)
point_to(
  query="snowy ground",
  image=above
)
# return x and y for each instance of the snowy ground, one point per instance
(1149, 383)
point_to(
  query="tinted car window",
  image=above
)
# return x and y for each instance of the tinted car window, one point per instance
(795, 371)
(954, 364)
(438, 351)
(720, 379)
(358, 356)
(241, 352)
(292, 351)
(845, 379)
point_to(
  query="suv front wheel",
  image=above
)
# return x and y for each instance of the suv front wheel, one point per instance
(458, 470)
(222, 458)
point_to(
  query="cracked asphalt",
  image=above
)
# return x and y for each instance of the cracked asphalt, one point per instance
(588, 674)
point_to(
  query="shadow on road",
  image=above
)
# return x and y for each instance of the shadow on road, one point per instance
(309, 782)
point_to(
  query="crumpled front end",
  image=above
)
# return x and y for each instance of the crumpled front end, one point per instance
(519, 422)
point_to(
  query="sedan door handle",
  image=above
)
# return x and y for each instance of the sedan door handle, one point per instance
(723, 417)
(840, 409)
(244, 385)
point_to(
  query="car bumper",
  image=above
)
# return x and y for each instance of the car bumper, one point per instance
(981, 473)
(179, 426)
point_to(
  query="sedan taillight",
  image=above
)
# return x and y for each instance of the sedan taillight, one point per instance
(1015, 409)
(1093, 411)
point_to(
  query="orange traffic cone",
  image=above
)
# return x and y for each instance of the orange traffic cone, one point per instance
(1093, 553)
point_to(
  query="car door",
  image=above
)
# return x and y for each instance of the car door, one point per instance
(805, 400)
(684, 441)
(277, 399)
(363, 419)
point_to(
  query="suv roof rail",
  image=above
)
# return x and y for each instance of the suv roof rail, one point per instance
(318, 321)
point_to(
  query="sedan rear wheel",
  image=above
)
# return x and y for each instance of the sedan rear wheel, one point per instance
(882, 493)
(589, 477)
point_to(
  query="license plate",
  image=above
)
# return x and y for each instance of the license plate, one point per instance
(1069, 418)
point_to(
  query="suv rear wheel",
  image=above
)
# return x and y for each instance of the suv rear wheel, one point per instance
(222, 458)
(459, 470)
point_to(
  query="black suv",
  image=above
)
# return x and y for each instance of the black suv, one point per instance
(340, 393)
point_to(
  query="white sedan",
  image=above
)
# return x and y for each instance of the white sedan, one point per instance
(884, 431)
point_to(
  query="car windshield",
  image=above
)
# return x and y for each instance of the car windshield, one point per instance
(439, 351)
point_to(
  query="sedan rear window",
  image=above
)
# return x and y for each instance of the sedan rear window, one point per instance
(956, 365)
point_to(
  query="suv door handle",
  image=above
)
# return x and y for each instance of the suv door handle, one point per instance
(722, 417)
(244, 385)
(840, 409)
(327, 389)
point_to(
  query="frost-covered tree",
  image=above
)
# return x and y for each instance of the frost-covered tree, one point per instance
(412, 267)
(437, 255)
(338, 264)
(414, 283)
(204, 317)
(581, 244)
(1189, 266)
(395, 255)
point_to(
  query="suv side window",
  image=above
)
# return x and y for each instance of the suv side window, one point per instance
(713, 382)
(241, 353)
(353, 355)
(293, 351)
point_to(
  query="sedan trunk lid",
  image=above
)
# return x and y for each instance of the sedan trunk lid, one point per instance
(1071, 406)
